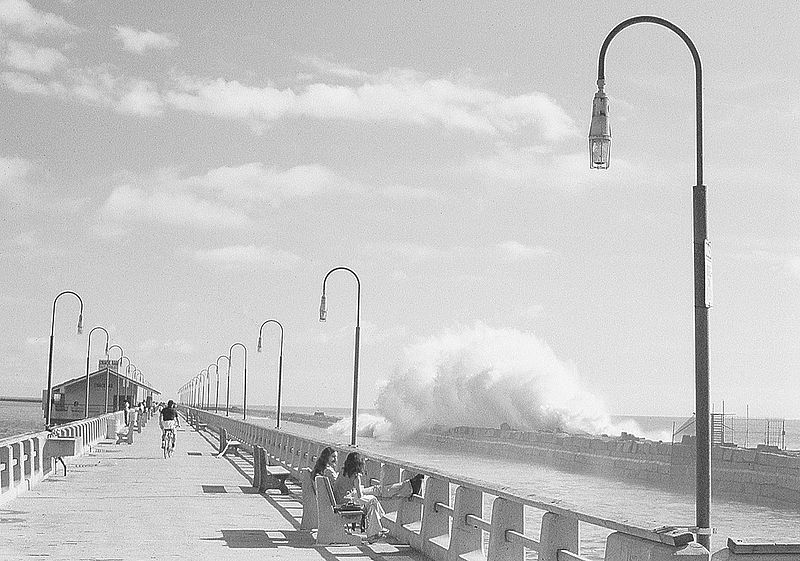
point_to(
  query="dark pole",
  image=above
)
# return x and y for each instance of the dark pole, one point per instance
(49, 405)
(108, 381)
(228, 389)
(702, 287)
(216, 403)
(280, 366)
(230, 354)
(357, 343)
(89, 346)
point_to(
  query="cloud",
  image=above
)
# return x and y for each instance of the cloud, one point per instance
(793, 266)
(514, 251)
(24, 18)
(132, 204)
(249, 255)
(394, 96)
(29, 58)
(140, 41)
(411, 193)
(14, 176)
(93, 87)
(256, 182)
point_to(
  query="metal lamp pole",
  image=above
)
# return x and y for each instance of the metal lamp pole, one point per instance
(280, 365)
(244, 400)
(323, 312)
(216, 403)
(89, 346)
(599, 153)
(108, 382)
(49, 405)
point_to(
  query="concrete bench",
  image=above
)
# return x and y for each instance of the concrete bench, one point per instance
(61, 447)
(274, 477)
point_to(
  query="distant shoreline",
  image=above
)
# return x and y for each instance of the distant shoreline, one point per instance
(20, 399)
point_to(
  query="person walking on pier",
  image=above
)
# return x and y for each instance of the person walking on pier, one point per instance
(349, 488)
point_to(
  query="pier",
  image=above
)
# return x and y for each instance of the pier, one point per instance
(118, 498)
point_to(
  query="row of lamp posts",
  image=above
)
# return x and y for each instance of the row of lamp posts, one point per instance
(137, 374)
(195, 393)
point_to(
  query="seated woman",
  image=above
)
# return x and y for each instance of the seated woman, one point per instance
(349, 488)
(326, 465)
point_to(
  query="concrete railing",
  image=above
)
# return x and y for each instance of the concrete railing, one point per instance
(455, 516)
(28, 458)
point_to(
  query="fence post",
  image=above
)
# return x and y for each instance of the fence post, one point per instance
(559, 531)
(506, 515)
(465, 538)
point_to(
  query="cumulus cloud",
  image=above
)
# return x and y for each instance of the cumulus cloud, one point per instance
(24, 18)
(14, 179)
(140, 41)
(394, 96)
(249, 255)
(129, 203)
(256, 182)
(30, 58)
(92, 87)
(514, 251)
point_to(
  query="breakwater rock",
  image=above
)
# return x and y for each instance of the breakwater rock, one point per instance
(764, 475)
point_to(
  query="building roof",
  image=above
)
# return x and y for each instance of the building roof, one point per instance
(82, 378)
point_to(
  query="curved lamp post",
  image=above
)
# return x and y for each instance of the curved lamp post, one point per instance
(108, 385)
(244, 400)
(216, 403)
(89, 346)
(323, 312)
(209, 376)
(280, 365)
(50, 356)
(599, 153)
(204, 389)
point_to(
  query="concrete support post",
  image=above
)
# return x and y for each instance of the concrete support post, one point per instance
(621, 547)
(559, 531)
(506, 515)
(16, 471)
(27, 458)
(464, 537)
(38, 460)
(257, 466)
(6, 469)
(435, 522)
(408, 512)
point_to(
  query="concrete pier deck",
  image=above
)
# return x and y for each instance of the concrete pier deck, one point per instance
(126, 502)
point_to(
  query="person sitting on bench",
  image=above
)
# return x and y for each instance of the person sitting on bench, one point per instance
(349, 489)
(326, 465)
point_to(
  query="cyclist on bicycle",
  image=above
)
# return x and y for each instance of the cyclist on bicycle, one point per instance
(168, 420)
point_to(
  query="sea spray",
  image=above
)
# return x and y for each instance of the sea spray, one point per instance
(484, 376)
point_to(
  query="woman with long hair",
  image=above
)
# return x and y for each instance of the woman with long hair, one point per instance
(349, 488)
(326, 465)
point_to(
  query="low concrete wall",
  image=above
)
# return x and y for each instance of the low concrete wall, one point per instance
(761, 476)
(24, 461)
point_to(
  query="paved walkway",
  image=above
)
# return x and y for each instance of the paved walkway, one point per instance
(126, 502)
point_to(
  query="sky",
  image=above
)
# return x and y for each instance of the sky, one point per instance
(193, 169)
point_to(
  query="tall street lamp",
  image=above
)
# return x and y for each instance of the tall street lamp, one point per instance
(599, 154)
(50, 356)
(89, 346)
(108, 385)
(280, 365)
(216, 403)
(204, 377)
(323, 312)
(244, 399)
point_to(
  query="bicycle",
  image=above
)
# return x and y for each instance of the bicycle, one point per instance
(168, 438)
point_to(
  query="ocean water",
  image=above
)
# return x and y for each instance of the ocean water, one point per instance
(18, 417)
(620, 500)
